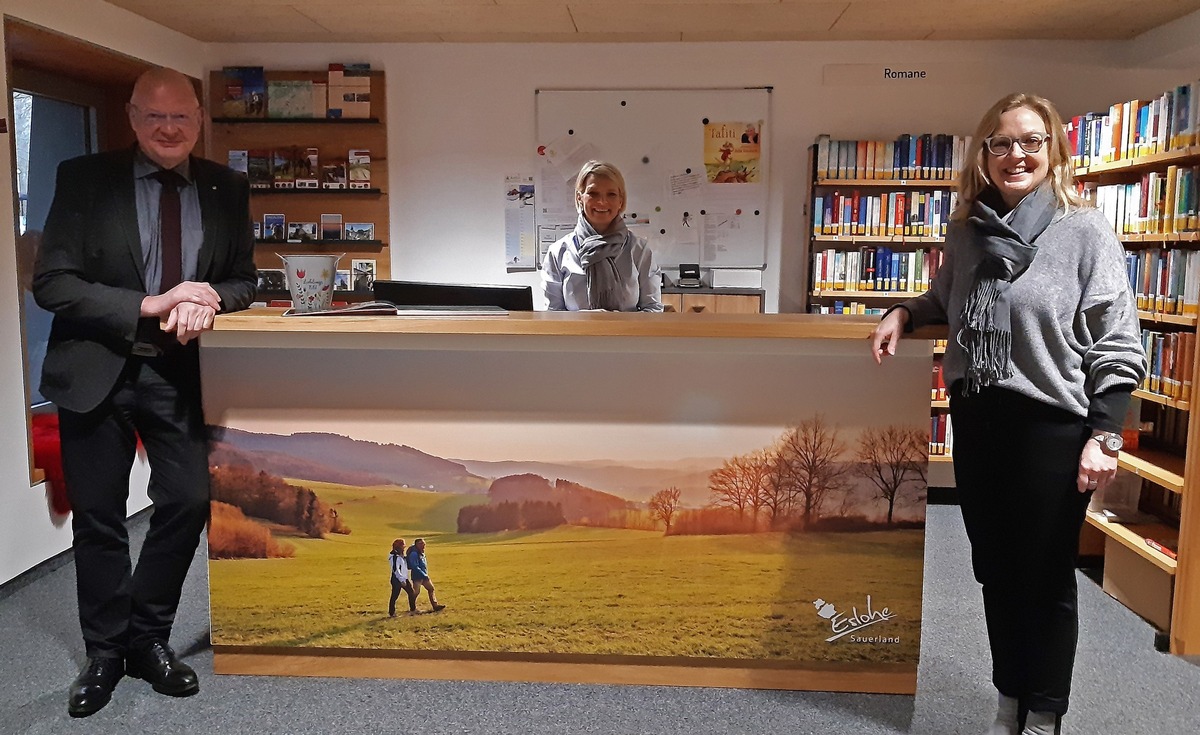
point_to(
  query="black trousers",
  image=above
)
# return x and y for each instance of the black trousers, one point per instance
(1015, 463)
(397, 586)
(158, 400)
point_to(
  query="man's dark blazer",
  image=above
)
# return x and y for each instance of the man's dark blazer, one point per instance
(91, 272)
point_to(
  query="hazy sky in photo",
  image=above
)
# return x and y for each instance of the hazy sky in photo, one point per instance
(543, 442)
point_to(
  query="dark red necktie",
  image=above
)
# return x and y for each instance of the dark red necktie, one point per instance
(170, 232)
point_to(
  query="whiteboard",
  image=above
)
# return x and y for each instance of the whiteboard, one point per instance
(695, 161)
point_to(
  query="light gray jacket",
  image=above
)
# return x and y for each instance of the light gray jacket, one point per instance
(1074, 318)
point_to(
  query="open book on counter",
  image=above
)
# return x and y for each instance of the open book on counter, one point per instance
(387, 308)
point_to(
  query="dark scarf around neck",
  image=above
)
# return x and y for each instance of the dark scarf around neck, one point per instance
(1007, 251)
(598, 256)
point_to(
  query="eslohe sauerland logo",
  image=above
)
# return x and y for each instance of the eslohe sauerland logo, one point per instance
(854, 622)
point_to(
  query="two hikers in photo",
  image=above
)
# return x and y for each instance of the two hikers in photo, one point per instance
(410, 572)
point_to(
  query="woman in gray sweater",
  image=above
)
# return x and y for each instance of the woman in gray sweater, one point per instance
(1044, 353)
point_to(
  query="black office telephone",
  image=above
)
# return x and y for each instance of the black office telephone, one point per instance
(689, 275)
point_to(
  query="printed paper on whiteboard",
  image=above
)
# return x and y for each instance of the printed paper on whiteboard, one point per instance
(720, 231)
(519, 244)
(567, 156)
(685, 185)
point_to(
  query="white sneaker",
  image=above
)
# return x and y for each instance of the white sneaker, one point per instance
(1006, 717)
(1040, 723)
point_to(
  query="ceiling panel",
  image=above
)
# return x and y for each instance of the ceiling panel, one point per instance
(438, 18)
(807, 20)
(557, 21)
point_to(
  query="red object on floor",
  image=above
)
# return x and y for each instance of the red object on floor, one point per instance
(47, 456)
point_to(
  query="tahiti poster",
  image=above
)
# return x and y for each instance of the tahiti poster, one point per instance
(732, 152)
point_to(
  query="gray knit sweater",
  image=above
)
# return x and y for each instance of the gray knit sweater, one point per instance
(1074, 319)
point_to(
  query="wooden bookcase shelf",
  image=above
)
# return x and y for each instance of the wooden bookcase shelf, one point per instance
(1133, 537)
(899, 183)
(334, 138)
(1178, 474)
(829, 293)
(1142, 164)
(1161, 468)
(1162, 400)
(1176, 319)
(358, 244)
(895, 239)
(880, 192)
(1161, 237)
(373, 192)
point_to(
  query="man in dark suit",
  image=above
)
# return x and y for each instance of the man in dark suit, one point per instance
(141, 249)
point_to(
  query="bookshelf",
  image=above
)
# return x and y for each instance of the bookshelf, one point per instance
(333, 138)
(879, 211)
(1140, 163)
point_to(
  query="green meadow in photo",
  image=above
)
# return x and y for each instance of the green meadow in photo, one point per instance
(570, 589)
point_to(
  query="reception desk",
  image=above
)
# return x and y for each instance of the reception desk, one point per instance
(686, 499)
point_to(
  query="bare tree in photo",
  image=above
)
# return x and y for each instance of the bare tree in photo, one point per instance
(811, 455)
(663, 506)
(893, 458)
(774, 496)
(757, 466)
(733, 484)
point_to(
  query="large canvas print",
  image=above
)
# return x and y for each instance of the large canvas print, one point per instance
(576, 535)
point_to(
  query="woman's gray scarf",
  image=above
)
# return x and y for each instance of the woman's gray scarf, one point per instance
(598, 256)
(1008, 249)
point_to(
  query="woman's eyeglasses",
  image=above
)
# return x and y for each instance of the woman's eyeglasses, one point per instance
(1000, 145)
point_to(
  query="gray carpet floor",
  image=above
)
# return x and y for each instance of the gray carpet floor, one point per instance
(1122, 685)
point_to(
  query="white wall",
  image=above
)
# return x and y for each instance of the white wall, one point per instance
(461, 117)
(29, 534)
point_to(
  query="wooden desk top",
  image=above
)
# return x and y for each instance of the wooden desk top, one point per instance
(559, 323)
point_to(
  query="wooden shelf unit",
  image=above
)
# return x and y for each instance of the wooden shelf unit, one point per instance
(829, 293)
(1133, 537)
(333, 137)
(899, 183)
(875, 298)
(1179, 474)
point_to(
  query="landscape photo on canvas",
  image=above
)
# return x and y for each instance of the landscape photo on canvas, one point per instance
(785, 544)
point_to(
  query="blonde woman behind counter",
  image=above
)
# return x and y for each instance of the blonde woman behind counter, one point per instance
(601, 265)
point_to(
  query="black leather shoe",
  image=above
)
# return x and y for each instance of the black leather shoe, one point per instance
(93, 688)
(157, 663)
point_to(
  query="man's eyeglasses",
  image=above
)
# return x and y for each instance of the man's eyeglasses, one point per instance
(153, 118)
(1000, 145)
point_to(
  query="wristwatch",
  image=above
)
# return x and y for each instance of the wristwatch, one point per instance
(1111, 441)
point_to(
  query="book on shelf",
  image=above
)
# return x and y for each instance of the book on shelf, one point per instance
(880, 214)
(1171, 359)
(258, 168)
(1136, 128)
(1165, 281)
(333, 174)
(358, 165)
(349, 92)
(874, 268)
(928, 156)
(283, 169)
(320, 100)
(289, 98)
(239, 161)
(308, 169)
(245, 92)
